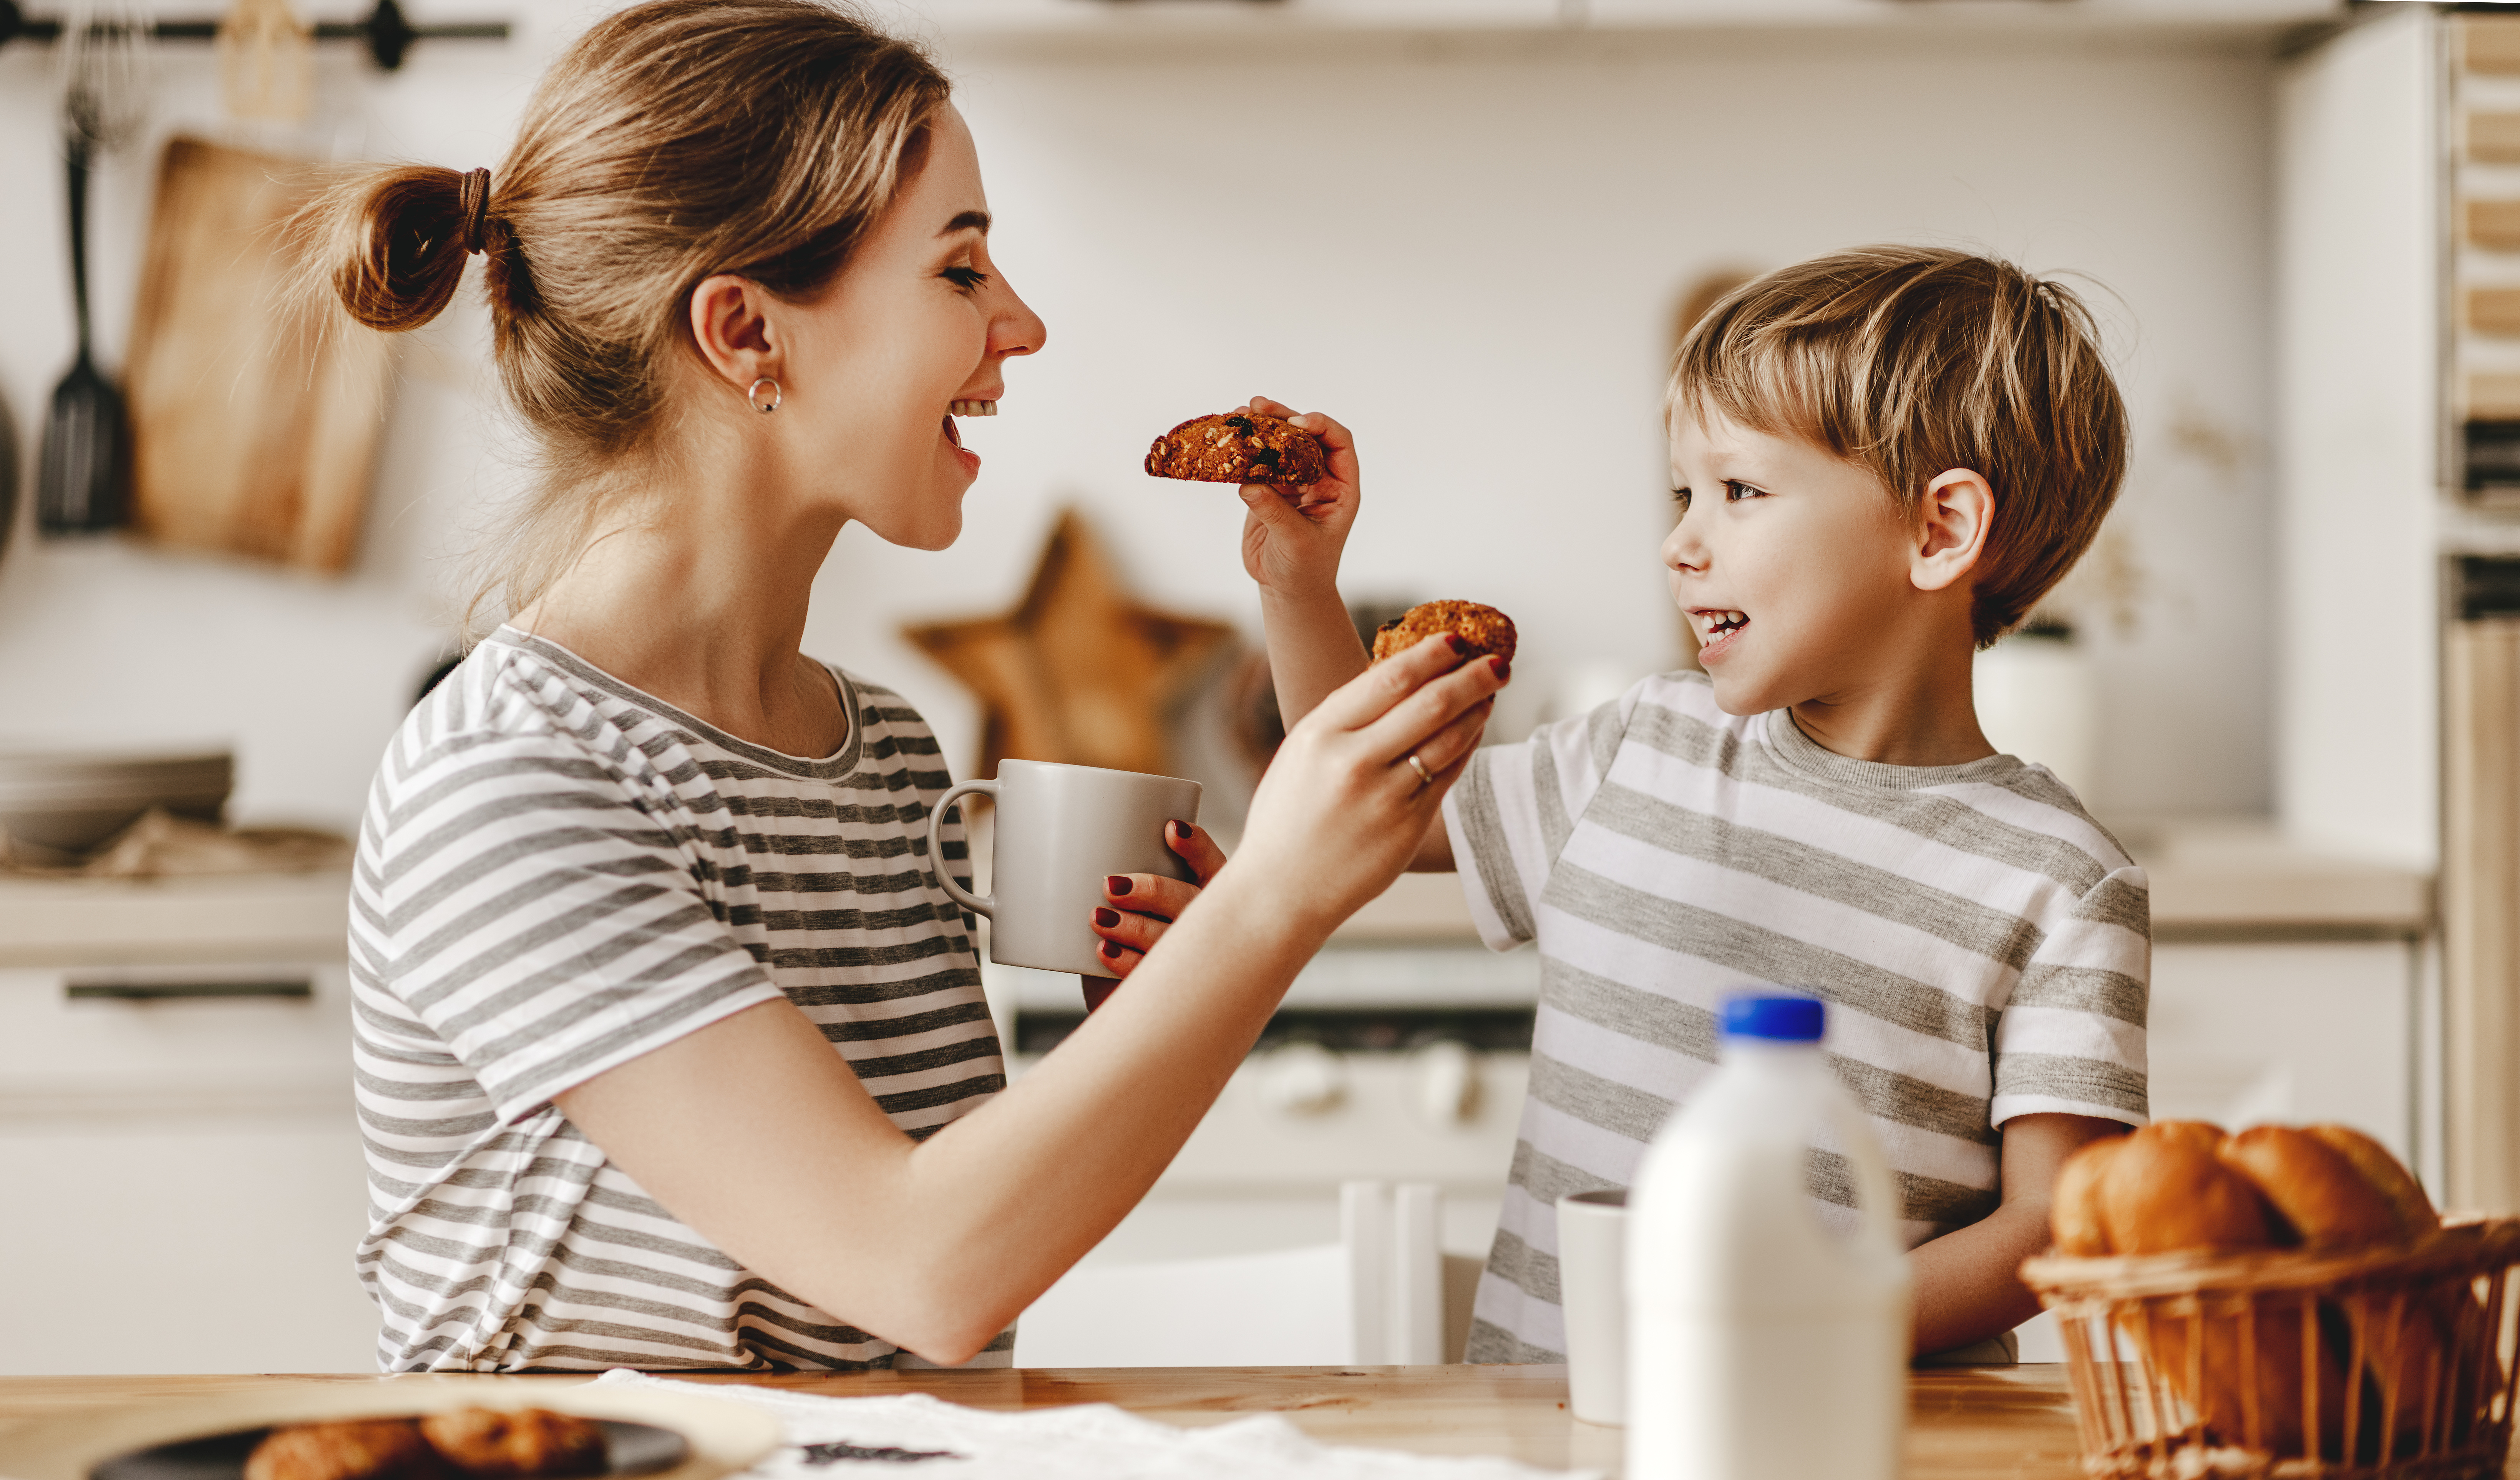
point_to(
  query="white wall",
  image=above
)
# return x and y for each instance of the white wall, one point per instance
(1467, 250)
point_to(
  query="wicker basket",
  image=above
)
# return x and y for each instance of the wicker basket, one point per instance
(2395, 1362)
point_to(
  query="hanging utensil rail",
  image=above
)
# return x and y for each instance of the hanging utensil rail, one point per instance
(387, 32)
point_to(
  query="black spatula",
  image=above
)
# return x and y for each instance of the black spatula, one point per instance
(83, 483)
(83, 478)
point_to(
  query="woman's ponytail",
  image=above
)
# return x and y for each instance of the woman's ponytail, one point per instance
(395, 241)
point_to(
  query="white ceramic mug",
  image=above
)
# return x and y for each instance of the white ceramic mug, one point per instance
(1592, 1292)
(1059, 831)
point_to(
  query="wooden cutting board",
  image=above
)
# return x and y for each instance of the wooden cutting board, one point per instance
(254, 413)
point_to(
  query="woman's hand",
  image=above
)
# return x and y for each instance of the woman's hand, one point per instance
(1139, 907)
(1292, 536)
(1342, 809)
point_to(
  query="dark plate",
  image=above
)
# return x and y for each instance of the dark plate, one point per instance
(633, 1448)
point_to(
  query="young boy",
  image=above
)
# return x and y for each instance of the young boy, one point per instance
(1881, 459)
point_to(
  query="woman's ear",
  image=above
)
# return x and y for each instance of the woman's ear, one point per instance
(731, 324)
(1952, 529)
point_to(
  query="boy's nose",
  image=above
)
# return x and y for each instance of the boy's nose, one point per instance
(1682, 549)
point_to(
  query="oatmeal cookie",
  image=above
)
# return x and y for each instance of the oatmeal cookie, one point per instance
(494, 1444)
(356, 1448)
(1236, 447)
(1485, 629)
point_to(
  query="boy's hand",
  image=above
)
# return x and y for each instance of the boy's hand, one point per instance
(1292, 536)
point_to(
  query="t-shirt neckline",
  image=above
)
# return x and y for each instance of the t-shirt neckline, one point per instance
(839, 763)
(1800, 752)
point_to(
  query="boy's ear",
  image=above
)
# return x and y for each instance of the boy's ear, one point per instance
(1951, 528)
(732, 328)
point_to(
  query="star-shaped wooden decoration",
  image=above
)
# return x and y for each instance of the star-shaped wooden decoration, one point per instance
(1078, 671)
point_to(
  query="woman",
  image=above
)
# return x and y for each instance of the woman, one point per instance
(670, 1049)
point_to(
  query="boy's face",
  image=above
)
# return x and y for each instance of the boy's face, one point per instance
(1792, 564)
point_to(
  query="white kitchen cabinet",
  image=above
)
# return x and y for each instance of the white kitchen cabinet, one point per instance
(2300, 1031)
(181, 1185)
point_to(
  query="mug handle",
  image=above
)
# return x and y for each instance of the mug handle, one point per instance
(985, 905)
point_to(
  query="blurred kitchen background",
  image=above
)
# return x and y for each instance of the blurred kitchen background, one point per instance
(2288, 674)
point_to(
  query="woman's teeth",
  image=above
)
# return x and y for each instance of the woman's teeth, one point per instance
(973, 408)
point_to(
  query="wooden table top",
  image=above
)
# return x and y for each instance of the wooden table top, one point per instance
(1967, 1423)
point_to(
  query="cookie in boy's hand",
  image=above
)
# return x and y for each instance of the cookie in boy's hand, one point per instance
(1485, 629)
(1236, 447)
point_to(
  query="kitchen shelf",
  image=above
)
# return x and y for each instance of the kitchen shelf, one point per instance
(249, 918)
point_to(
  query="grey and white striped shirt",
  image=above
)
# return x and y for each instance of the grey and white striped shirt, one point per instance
(558, 873)
(1984, 946)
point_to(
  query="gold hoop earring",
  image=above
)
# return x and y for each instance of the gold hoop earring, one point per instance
(753, 394)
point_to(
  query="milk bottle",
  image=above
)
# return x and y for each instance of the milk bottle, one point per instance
(1761, 1343)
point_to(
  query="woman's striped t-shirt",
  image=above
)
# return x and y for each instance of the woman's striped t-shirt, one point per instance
(1985, 948)
(558, 873)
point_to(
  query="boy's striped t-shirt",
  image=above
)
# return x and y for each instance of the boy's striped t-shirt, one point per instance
(558, 873)
(1984, 946)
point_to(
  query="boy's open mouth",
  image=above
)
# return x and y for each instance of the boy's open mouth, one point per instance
(1722, 624)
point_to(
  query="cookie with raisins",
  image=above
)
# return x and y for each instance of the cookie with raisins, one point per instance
(1237, 448)
(1485, 629)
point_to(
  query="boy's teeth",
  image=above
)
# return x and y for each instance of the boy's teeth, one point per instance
(973, 408)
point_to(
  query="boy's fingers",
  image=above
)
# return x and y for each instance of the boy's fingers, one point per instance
(1271, 508)
(1333, 436)
(1195, 847)
(1374, 693)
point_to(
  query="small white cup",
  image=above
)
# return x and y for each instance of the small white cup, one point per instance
(1592, 1292)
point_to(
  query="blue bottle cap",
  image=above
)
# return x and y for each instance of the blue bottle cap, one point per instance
(1774, 1017)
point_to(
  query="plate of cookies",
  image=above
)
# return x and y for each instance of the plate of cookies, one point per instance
(411, 1428)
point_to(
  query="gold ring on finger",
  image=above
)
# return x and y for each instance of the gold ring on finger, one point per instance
(1424, 778)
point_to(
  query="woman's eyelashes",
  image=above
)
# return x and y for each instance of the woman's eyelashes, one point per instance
(968, 279)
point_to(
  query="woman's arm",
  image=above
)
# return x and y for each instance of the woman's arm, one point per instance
(1292, 541)
(754, 1132)
(1968, 1281)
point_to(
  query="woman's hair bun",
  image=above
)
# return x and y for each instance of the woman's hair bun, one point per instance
(395, 241)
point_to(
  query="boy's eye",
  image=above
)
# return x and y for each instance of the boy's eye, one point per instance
(967, 278)
(1679, 497)
(1737, 490)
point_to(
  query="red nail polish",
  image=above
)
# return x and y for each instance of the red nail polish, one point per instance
(1181, 830)
(1117, 885)
(1110, 950)
(1107, 918)
(1504, 668)
(1458, 646)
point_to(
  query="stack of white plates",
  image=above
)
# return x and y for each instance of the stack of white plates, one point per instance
(66, 802)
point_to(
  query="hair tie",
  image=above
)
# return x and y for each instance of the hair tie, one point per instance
(475, 201)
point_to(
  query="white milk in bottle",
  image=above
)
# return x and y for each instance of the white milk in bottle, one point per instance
(1763, 1343)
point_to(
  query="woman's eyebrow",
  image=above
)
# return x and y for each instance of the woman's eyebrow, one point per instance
(970, 220)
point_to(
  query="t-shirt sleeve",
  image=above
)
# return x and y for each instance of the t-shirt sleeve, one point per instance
(1509, 814)
(546, 925)
(2071, 1039)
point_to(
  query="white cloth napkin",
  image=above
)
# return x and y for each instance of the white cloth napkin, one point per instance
(914, 1435)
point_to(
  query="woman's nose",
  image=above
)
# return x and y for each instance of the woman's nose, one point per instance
(1017, 330)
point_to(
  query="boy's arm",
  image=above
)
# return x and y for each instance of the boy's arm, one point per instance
(1292, 540)
(1968, 1281)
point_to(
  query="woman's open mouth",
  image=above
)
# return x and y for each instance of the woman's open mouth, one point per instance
(953, 434)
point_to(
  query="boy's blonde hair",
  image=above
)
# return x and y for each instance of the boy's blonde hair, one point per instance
(1912, 361)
